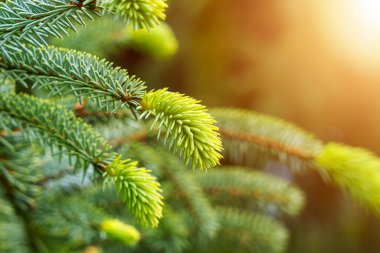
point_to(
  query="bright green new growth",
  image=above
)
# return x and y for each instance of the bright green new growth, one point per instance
(55, 126)
(158, 42)
(138, 189)
(354, 169)
(138, 13)
(120, 231)
(189, 128)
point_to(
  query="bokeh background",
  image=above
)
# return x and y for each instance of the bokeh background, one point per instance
(315, 63)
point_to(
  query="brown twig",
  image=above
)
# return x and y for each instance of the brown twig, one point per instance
(259, 140)
(11, 132)
(229, 134)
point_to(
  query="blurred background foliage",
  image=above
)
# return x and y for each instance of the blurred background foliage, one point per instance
(315, 63)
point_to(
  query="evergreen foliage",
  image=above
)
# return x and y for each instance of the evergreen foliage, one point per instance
(251, 138)
(12, 235)
(250, 135)
(270, 236)
(68, 165)
(188, 126)
(138, 13)
(109, 36)
(48, 124)
(138, 189)
(61, 71)
(32, 21)
(263, 189)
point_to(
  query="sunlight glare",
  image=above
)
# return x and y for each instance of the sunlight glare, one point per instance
(351, 29)
(367, 13)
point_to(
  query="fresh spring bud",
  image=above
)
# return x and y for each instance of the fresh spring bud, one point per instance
(120, 231)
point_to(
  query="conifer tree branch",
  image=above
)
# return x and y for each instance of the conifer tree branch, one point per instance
(12, 233)
(261, 188)
(188, 125)
(192, 196)
(91, 113)
(19, 172)
(109, 36)
(32, 21)
(18, 177)
(354, 170)
(80, 221)
(251, 138)
(54, 125)
(61, 126)
(61, 71)
(254, 232)
(266, 142)
(69, 216)
(186, 188)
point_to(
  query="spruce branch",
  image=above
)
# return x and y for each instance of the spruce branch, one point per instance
(32, 21)
(53, 125)
(12, 234)
(79, 221)
(189, 128)
(251, 137)
(70, 217)
(173, 172)
(263, 189)
(192, 195)
(138, 13)
(61, 71)
(254, 232)
(19, 172)
(172, 236)
(109, 36)
(7, 85)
